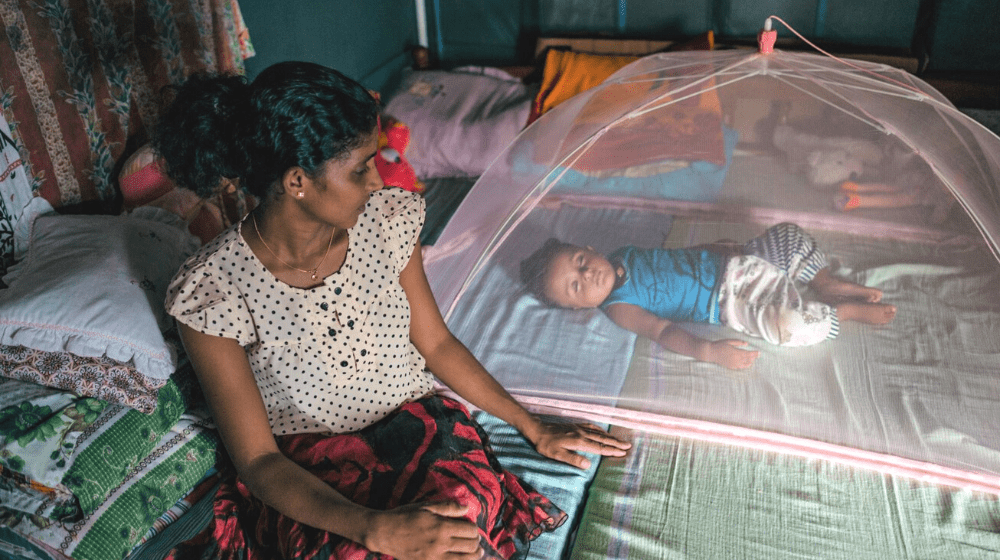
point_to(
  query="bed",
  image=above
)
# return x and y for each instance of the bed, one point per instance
(112, 455)
(691, 489)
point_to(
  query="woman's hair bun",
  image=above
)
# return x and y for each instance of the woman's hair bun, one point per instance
(200, 133)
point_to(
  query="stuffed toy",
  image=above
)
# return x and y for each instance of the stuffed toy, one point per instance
(901, 193)
(393, 139)
(865, 174)
(143, 182)
(826, 161)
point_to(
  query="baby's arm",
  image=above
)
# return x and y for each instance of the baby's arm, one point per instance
(729, 353)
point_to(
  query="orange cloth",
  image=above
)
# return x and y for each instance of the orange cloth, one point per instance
(686, 130)
(566, 74)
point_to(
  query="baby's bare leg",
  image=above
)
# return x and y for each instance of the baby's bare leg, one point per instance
(834, 290)
(870, 313)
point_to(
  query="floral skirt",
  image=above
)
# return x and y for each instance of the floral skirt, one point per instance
(427, 450)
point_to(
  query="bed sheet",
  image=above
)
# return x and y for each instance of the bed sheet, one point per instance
(532, 349)
(564, 485)
(443, 195)
(924, 387)
(678, 498)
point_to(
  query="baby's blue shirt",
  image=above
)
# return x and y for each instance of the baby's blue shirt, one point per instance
(675, 284)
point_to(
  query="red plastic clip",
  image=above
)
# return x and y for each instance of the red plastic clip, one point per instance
(766, 38)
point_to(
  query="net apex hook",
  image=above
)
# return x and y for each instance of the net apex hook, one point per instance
(766, 38)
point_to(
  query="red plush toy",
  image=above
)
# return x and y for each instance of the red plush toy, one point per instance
(144, 183)
(393, 139)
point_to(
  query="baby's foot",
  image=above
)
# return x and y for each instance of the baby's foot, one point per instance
(870, 313)
(833, 290)
(842, 291)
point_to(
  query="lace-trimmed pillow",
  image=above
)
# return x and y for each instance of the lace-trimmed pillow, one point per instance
(93, 286)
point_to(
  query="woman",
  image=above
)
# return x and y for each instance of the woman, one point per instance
(310, 325)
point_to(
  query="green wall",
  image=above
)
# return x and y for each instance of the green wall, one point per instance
(492, 31)
(366, 39)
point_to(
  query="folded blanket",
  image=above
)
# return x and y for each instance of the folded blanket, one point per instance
(155, 483)
(89, 478)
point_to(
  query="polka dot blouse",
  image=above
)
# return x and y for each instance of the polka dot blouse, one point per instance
(333, 358)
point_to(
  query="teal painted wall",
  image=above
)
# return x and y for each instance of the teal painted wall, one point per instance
(492, 31)
(966, 36)
(954, 35)
(369, 39)
(366, 39)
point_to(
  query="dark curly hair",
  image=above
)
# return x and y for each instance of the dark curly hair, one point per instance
(535, 268)
(294, 114)
(195, 135)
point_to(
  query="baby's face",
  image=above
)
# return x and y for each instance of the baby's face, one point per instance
(579, 278)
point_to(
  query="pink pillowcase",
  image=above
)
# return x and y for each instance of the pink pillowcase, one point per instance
(459, 120)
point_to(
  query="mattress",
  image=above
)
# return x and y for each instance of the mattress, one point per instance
(893, 389)
(679, 498)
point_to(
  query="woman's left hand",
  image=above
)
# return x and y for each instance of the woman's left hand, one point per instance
(565, 442)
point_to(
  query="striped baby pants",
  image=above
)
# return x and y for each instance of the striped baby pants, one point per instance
(758, 295)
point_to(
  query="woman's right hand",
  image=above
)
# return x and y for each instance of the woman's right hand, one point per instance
(732, 353)
(428, 531)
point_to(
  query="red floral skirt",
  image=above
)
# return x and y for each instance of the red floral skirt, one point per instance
(427, 450)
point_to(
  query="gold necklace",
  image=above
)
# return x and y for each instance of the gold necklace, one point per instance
(312, 273)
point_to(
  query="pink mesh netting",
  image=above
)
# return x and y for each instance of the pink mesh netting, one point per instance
(898, 187)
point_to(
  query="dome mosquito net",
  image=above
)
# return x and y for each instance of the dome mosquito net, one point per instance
(897, 187)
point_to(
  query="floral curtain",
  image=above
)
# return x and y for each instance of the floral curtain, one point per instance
(81, 79)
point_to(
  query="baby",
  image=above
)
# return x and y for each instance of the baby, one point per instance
(750, 288)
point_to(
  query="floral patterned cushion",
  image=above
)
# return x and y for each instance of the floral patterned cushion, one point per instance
(102, 378)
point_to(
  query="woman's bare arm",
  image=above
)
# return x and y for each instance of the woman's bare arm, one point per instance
(729, 353)
(452, 362)
(224, 372)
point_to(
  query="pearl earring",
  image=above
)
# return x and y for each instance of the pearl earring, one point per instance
(300, 194)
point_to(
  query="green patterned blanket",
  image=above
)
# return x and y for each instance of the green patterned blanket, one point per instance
(90, 478)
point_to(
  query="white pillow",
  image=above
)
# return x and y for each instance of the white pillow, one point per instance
(94, 286)
(459, 121)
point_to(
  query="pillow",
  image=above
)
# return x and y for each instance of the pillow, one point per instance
(100, 378)
(94, 286)
(567, 73)
(459, 121)
(144, 183)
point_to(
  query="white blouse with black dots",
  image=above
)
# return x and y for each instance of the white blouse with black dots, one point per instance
(334, 358)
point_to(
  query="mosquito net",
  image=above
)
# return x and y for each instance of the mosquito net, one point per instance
(897, 188)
